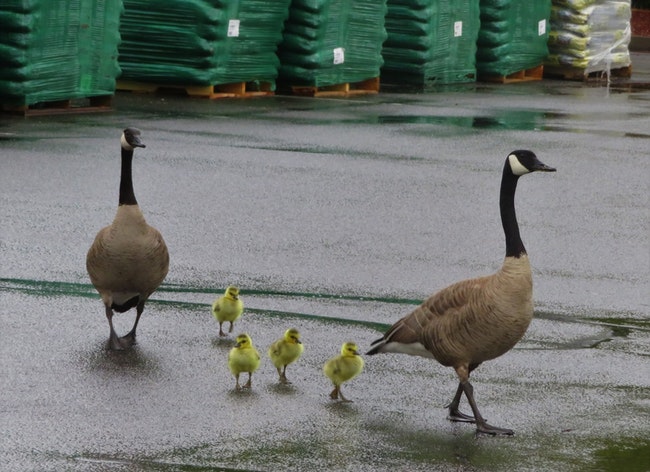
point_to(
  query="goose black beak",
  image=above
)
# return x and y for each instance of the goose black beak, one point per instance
(137, 142)
(541, 167)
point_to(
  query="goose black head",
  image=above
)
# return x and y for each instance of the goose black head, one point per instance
(131, 139)
(522, 162)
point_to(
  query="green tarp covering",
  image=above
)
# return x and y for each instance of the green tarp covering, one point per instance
(54, 50)
(513, 36)
(328, 42)
(593, 35)
(201, 42)
(430, 42)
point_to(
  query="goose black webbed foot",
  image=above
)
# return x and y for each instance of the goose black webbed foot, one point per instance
(457, 416)
(484, 428)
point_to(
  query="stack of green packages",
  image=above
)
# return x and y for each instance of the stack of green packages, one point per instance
(201, 42)
(513, 36)
(53, 50)
(430, 42)
(592, 35)
(329, 42)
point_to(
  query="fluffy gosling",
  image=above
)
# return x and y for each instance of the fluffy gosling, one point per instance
(227, 307)
(284, 351)
(342, 368)
(243, 358)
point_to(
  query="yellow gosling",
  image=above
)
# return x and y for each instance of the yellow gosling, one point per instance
(227, 307)
(342, 368)
(284, 351)
(243, 358)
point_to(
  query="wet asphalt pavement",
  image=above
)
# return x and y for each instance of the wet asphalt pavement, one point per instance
(335, 216)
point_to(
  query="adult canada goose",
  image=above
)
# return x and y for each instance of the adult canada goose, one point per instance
(128, 259)
(344, 367)
(228, 307)
(479, 319)
(284, 351)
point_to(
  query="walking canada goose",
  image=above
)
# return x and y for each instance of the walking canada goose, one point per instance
(228, 307)
(243, 358)
(342, 368)
(128, 259)
(479, 319)
(284, 351)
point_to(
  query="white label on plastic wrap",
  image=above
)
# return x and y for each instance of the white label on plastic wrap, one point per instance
(233, 28)
(458, 29)
(339, 56)
(541, 27)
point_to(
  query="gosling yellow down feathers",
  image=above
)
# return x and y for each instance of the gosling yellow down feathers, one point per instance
(243, 358)
(227, 307)
(284, 351)
(342, 368)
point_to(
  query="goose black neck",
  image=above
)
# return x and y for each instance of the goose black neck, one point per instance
(127, 196)
(514, 244)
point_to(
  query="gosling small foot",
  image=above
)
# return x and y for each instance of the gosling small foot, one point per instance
(484, 428)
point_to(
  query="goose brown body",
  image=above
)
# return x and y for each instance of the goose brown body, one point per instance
(471, 321)
(128, 260)
(479, 319)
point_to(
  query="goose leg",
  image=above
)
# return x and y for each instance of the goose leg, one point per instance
(335, 393)
(454, 413)
(482, 427)
(221, 333)
(237, 386)
(343, 399)
(250, 380)
(129, 338)
(114, 342)
(283, 376)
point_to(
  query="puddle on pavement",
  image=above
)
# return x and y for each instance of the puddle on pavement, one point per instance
(386, 428)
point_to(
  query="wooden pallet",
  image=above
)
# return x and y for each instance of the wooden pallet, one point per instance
(526, 75)
(576, 73)
(367, 86)
(99, 104)
(234, 90)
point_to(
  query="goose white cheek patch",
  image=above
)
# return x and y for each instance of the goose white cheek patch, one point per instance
(125, 144)
(516, 166)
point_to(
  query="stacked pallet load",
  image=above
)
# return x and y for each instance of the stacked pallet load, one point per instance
(430, 42)
(512, 41)
(333, 47)
(211, 48)
(589, 37)
(58, 55)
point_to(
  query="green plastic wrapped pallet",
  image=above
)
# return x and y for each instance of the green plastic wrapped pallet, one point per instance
(329, 42)
(430, 42)
(57, 50)
(513, 36)
(201, 42)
